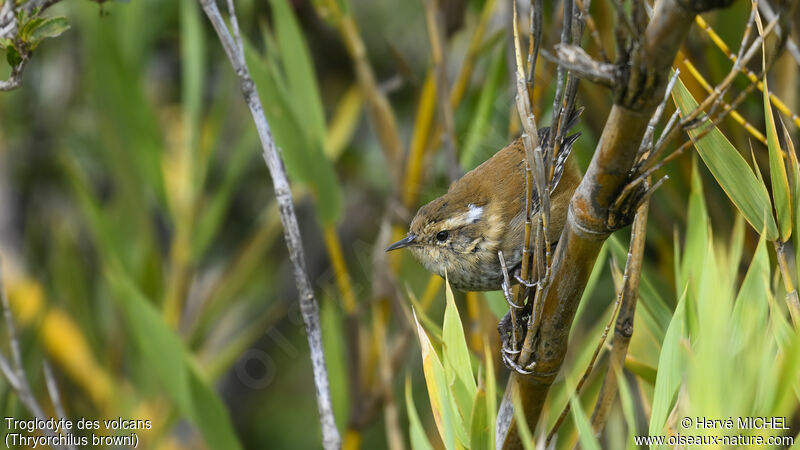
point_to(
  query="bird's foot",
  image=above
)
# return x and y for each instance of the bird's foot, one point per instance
(527, 284)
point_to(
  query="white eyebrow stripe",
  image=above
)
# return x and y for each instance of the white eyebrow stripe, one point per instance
(475, 213)
(468, 217)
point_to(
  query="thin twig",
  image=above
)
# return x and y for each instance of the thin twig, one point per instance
(576, 59)
(654, 162)
(534, 43)
(55, 396)
(587, 17)
(14, 371)
(588, 371)
(587, 224)
(308, 303)
(623, 330)
(535, 176)
(52, 390)
(647, 140)
(765, 8)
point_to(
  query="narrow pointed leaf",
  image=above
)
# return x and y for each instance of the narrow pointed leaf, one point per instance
(777, 171)
(730, 170)
(669, 369)
(300, 74)
(171, 364)
(585, 433)
(525, 434)
(455, 349)
(481, 117)
(491, 392)
(301, 147)
(628, 409)
(438, 393)
(479, 435)
(794, 170)
(416, 432)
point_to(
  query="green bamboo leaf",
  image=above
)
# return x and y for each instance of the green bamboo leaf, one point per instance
(785, 396)
(756, 167)
(455, 351)
(171, 363)
(656, 311)
(585, 433)
(669, 369)
(730, 170)
(416, 432)
(795, 171)
(212, 215)
(777, 171)
(588, 291)
(757, 279)
(697, 234)
(482, 114)
(750, 305)
(479, 424)
(491, 392)
(438, 389)
(458, 367)
(132, 138)
(641, 370)
(426, 320)
(333, 345)
(736, 247)
(193, 51)
(626, 399)
(302, 152)
(524, 431)
(299, 70)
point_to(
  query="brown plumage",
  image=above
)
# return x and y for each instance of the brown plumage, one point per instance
(461, 232)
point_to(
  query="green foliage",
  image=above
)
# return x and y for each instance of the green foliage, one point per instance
(40, 28)
(32, 30)
(172, 365)
(464, 412)
(777, 171)
(288, 87)
(725, 351)
(743, 187)
(416, 432)
(481, 117)
(716, 347)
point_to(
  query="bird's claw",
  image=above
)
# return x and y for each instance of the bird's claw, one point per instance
(511, 364)
(509, 351)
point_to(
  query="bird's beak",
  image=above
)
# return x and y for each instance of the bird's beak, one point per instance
(405, 242)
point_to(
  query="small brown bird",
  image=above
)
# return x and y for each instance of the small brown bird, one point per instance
(483, 212)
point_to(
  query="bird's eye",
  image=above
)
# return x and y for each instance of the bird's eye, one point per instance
(442, 236)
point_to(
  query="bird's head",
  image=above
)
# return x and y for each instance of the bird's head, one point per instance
(446, 235)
